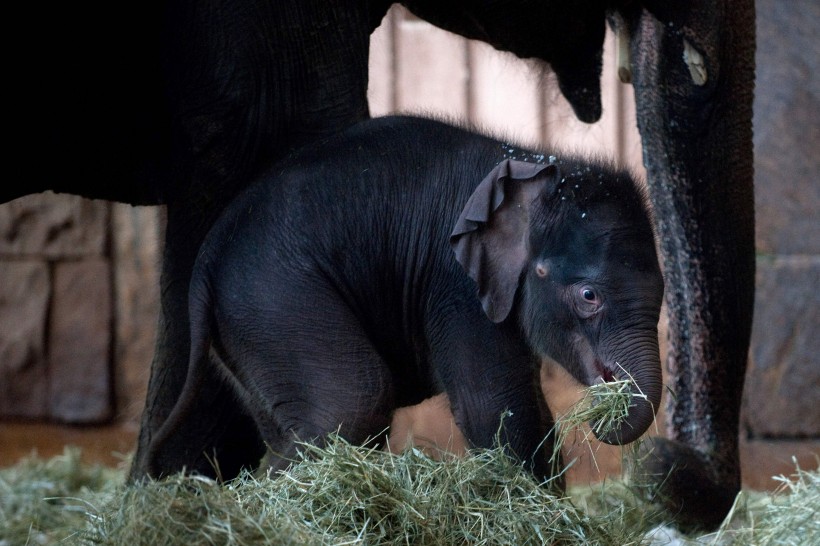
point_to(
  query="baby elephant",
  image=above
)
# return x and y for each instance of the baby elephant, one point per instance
(404, 258)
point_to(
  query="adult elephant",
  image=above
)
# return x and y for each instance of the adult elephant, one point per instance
(181, 103)
(693, 72)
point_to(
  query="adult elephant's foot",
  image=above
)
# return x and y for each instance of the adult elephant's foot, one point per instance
(684, 483)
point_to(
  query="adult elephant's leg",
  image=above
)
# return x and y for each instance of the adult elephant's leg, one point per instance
(694, 77)
(218, 432)
(244, 88)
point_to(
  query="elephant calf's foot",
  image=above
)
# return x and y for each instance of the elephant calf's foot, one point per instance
(684, 484)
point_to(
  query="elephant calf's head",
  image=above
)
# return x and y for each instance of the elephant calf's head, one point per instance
(568, 249)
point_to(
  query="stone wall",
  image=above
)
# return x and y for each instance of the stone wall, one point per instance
(77, 308)
(783, 380)
(56, 312)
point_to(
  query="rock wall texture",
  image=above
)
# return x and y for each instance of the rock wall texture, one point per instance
(77, 285)
(783, 379)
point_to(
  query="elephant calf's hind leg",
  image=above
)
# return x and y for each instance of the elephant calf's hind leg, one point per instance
(336, 383)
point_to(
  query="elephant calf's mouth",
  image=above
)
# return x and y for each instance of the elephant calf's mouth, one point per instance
(604, 373)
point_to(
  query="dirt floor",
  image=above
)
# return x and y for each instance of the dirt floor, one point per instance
(109, 445)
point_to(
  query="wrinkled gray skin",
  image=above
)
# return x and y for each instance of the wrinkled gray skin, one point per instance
(344, 284)
(697, 148)
(183, 107)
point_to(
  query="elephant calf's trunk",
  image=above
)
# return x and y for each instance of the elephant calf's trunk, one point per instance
(646, 388)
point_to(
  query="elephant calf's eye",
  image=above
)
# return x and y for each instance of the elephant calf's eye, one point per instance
(587, 301)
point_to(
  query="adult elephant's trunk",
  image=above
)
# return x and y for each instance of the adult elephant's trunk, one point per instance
(693, 72)
(640, 363)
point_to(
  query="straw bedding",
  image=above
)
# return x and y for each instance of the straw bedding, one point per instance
(344, 494)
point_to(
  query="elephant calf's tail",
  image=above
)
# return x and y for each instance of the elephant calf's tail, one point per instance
(164, 442)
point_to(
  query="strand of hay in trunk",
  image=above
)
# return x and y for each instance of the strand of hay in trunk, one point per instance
(599, 412)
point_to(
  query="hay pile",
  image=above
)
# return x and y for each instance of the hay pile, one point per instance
(343, 494)
(340, 494)
(43, 501)
(789, 517)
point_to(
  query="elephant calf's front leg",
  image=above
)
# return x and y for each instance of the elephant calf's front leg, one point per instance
(509, 410)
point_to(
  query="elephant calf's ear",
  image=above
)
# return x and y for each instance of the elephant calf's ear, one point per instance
(490, 236)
